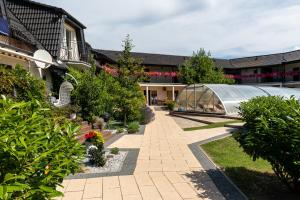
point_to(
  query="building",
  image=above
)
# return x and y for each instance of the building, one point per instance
(28, 26)
(280, 70)
(164, 83)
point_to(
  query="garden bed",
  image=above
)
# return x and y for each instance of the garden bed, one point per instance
(113, 164)
(255, 179)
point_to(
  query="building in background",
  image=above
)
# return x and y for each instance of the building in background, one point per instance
(27, 27)
(164, 81)
(280, 70)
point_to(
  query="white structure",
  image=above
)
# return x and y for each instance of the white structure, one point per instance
(64, 94)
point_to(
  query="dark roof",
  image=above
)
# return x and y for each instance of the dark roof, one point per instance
(155, 59)
(266, 60)
(147, 58)
(18, 31)
(43, 21)
(291, 56)
(255, 61)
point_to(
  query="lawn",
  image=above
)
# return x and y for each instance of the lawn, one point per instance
(255, 179)
(214, 125)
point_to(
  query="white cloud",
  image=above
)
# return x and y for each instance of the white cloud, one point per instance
(227, 28)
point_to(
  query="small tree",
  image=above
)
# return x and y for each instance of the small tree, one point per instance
(88, 94)
(130, 69)
(272, 132)
(130, 97)
(200, 68)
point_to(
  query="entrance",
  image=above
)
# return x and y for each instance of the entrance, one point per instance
(152, 97)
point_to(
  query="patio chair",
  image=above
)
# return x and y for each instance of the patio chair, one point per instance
(64, 94)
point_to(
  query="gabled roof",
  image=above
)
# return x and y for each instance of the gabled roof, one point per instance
(43, 21)
(155, 59)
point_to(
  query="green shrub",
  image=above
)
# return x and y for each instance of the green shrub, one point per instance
(36, 152)
(272, 132)
(171, 105)
(96, 156)
(65, 111)
(120, 130)
(114, 150)
(133, 127)
(19, 84)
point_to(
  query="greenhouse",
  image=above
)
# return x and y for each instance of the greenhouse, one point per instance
(225, 99)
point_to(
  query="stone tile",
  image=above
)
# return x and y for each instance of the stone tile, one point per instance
(111, 182)
(150, 193)
(73, 196)
(132, 197)
(112, 193)
(143, 179)
(76, 185)
(93, 188)
(174, 177)
(128, 186)
(185, 190)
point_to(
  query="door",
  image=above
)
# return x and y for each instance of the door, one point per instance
(152, 97)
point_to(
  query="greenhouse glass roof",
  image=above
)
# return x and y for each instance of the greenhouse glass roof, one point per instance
(225, 99)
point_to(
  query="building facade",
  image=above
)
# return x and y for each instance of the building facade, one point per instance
(28, 26)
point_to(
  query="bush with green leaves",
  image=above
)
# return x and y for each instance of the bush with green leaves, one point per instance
(36, 152)
(170, 105)
(96, 156)
(201, 68)
(133, 127)
(120, 130)
(17, 83)
(115, 150)
(272, 132)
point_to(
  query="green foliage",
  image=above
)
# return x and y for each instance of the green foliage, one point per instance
(95, 94)
(133, 127)
(115, 151)
(120, 130)
(171, 105)
(65, 111)
(96, 156)
(36, 152)
(272, 132)
(200, 68)
(130, 98)
(19, 84)
(130, 69)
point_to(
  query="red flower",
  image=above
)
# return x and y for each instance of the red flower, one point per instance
(90, 135)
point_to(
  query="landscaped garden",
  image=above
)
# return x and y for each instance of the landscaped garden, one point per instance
(263, 158)
(41, 144)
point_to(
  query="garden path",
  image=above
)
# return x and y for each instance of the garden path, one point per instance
(166, 168)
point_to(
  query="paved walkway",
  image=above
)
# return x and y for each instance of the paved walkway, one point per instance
(166, 168)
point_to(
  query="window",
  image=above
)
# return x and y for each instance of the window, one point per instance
(69, 47)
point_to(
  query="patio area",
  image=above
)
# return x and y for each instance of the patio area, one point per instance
(166, 168)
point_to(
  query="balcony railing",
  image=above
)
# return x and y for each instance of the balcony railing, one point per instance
(69, 51)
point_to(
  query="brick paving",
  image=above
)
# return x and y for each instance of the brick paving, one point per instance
(166, 168)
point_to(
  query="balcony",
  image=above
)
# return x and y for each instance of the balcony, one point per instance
(73, 51)
(69, 51)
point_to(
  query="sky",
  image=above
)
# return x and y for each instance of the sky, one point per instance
(226, 28)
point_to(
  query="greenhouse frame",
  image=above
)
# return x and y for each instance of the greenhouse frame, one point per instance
(225, 99)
